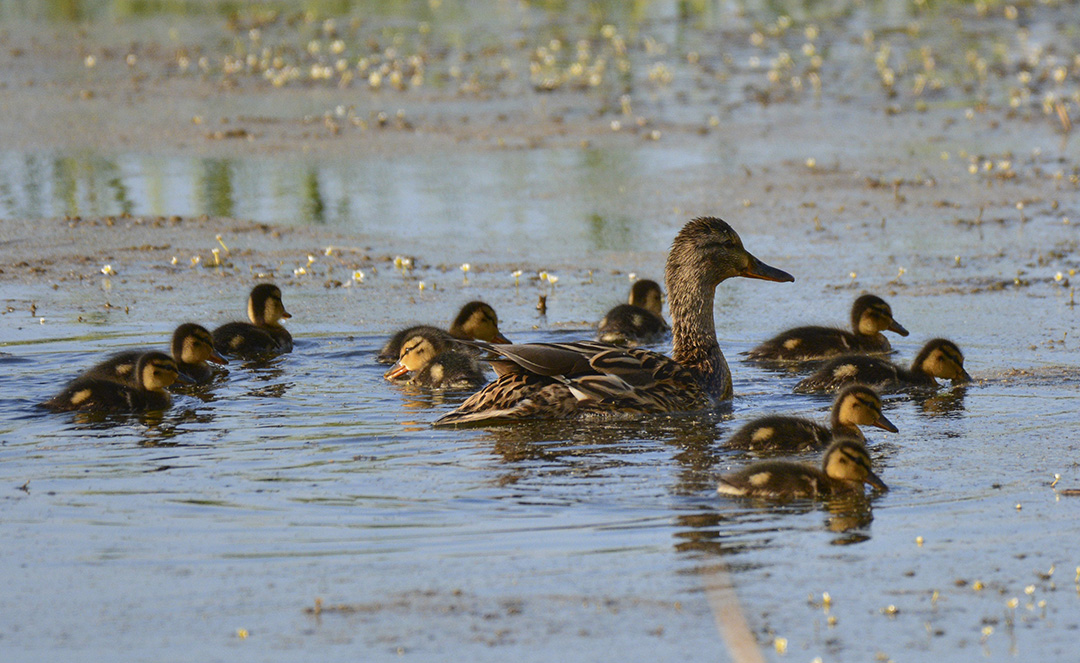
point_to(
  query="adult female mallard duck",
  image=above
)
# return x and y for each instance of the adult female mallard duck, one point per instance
(939, 358)
(433, 361)
(640, 321)
(844, 470)
(264, 334)
(588, 378)
(192, 347)
(870, 316)
(154, 372)
(476, 321)
(855, 406)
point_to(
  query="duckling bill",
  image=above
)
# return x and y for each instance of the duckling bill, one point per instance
(475, 321)
(844, 469)
(434, 362)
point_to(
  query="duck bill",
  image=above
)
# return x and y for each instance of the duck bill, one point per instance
(756, 269)
(184, 377)
(285, 315)
(499, 338)
(396, 371)
(897, 328)
(875, 481)
(216, 357)
(963, 378)
(883, 422)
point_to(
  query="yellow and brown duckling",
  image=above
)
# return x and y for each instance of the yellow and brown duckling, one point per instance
(844, 470)
(154, 373)
(433, 361)
(856, 405)
(592, 379)
(476, 321)
(870, 315)
(638, 322)
(264, 334)
(939, 358)
(192, 347)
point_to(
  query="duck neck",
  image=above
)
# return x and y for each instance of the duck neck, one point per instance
(693, 333)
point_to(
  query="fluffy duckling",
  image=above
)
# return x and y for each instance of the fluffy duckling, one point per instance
(870, 315)
(638, 322)
(192, 347)
(939, 358)
(435, 362)
(855, 406)
(476, 321)
(264, 334)
(154, 372)
(844, 470)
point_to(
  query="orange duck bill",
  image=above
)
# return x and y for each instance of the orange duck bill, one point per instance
(396, 371)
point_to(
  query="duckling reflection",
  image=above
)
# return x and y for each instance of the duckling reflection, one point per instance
(945, 403)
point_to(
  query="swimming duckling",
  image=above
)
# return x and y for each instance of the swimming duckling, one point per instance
(855, 406)
(154, 372)
(192, 347)
(435, 362)
(844, 470)
(476, 321)
(939, 358)
(640, 321)
(264, 333)
(870, 316)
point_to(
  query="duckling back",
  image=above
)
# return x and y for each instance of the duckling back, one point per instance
(264, 334)
(780, 433)
(89, 393)
(637, 322)
(451, 369)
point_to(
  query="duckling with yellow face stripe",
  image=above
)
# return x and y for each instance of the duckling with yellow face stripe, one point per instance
(855, 406)
(939, 359)
(192, 347)
(844, 470)
(434, 362)
(476, 321)
(870, 315)
(264, 334)
(154, 372)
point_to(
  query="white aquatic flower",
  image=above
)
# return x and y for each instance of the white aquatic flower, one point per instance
(329, 251)
(108, 270)
(174, 260)
(299, 271)
(421, 285)
(358, 276)
(465, 267)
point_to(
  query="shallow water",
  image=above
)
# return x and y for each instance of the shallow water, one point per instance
(304, 504)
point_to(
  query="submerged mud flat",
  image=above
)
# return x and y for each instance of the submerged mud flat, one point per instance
(304, 504)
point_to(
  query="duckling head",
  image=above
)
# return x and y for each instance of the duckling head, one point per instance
(870, 314)
(157, 371)
(707, 251)
(478, 321)
(265, 306)
(647, 295)
(847, 460)
(416, 353)
(942, 359)
(859, 405)
(192, 344)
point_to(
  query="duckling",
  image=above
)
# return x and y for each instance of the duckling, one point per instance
(264, 334)
(855, 406)
(154, 372)
(476, 321)
(939, 358)
(435, 362)
(588, 379)
(638, 322)
(844, 470)
(870, 315)
(192, 347)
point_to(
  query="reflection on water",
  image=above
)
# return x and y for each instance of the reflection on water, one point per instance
(424, 197)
